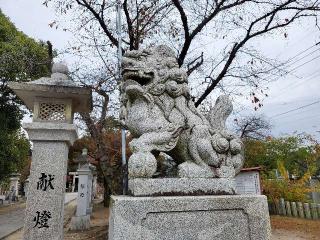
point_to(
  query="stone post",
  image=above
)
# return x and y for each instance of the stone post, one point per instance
(307, 210)
(82, 219)
(282, 207)
(14, 186)
(288, 208)
(53, 101)
(45, 197)
(300, 210)
(26, 185)
(314, 211)
(294, 209)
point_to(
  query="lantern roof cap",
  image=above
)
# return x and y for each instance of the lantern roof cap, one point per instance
(58, 86)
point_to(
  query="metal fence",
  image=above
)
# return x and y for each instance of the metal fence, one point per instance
(295, 209)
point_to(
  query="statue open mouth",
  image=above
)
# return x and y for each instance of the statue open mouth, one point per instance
(140, 76)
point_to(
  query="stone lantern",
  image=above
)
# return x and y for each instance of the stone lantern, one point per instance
(14, 186)
(53, 101)
(81, 220)
(26, 184)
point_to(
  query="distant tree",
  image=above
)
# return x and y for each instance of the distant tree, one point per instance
(252, 127)
(21, 59)
(14, 153)
(107, 159)
(299, 154)
(290, 190)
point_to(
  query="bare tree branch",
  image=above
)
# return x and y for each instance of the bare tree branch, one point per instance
(102, 23)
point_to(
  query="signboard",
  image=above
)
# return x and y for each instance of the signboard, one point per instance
(248, 182)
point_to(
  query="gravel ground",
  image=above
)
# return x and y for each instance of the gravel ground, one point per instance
(11, 217)
(99, 226)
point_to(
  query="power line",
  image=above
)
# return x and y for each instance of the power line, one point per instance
(295, 109)
(289, 62)
(298, 54)
(284, 117)
(304, 63)
(299, 59)
(295, 84)
(300, 119)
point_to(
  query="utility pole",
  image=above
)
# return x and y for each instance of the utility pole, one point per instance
(123, 131)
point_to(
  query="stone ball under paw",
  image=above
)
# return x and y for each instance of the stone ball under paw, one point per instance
(142, 165)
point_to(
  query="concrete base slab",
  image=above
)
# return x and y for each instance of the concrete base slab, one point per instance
(237, 217)
(80, 223)
(181, 186)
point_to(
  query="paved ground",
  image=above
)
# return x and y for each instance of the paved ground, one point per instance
(69, 212)
(11, 221)
(69, 197)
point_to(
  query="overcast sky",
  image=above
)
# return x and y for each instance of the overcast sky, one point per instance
(299, 89)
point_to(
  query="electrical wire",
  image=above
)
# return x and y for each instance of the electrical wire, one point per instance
(295, 109)
(295, 85)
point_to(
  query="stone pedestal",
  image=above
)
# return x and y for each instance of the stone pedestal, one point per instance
(181, 186)
(45, 195)
(238, 217)
(82, 219)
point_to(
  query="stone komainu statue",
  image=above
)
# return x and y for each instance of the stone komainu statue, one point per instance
(161, 116)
